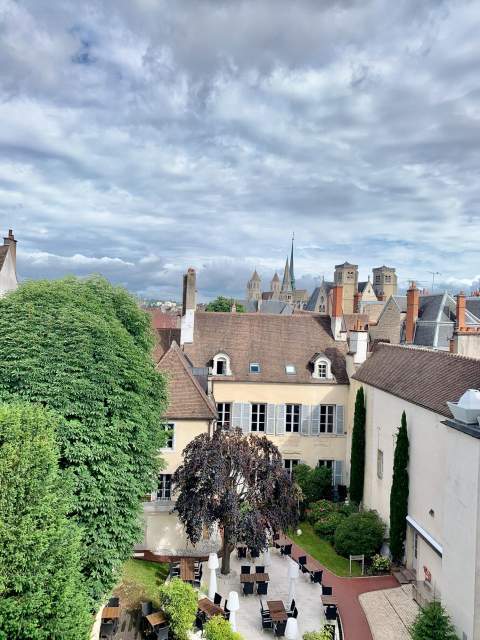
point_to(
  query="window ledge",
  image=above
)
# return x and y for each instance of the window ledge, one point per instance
(157, 506)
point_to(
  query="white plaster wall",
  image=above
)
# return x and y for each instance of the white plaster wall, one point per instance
(8, 277)
(165, 535)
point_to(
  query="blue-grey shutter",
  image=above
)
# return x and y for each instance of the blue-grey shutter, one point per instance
(237, 415)
(270, 430)
(280, 419)
(315, 420)
(338, 472)
(246, 417)
(305, 418)
(339, 419)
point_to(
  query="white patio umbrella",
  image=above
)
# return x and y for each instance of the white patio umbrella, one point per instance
(233, 604)
(292, 579)
(213, 565)
(267, 560)
(291, 630)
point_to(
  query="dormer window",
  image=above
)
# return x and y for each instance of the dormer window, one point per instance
(255, 367)
(221, 365)
(322, 367)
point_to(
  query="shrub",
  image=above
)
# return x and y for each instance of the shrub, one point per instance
(317, 635)
(217, 628)
(433, 623)
(360, 533)
(319, 510)
(315, 483)
(327, 525)
(179, 602)
(380, 564)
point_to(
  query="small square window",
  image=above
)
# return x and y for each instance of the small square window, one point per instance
(290, 369)
(254, 367)
(170, 428)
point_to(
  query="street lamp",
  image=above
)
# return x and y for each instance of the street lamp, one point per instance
(213, 566)
(233, 604)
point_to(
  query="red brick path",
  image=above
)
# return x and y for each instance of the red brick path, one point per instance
(346, 591)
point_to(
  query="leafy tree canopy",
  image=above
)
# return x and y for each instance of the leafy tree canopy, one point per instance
(42, 591)
(224, 304)
(433, 623)
(360, 533)
(237, 482)
(217, 628)
(179, 601)
(315, 483)
(83, 348)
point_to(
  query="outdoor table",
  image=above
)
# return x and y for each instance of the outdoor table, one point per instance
(254, 577)
(110, 613)
(326, 600)
(281, 542)
(156, 618)
(187, 569)
(277, 610)
(209, 608)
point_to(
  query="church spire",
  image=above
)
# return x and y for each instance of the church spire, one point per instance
(292, 274)
(287, 283)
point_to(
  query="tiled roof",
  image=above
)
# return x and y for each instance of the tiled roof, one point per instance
(421, 376)
(3, 254)
(186, 396)
(163, 340)
(162, 320)
(272, 340)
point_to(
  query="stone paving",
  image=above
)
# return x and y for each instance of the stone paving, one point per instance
(390, 612)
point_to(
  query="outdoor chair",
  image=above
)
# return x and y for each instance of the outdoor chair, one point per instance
(114, 602)
(267, 623)
(259, 569)
(254, 553)
(217, 598)
(293, 613)
(247, 588)
(280, 628)
(226, 615)
(147, 609)
(286, 550)
(292, 606)
(316, 577)
(265, 612)
(327, 591)
(302, 560)
(331, 612)
(162, 633)
(242, 553)
(262, 588)
(245, 568)
(106, 630)
(304, 568)
(199, 621)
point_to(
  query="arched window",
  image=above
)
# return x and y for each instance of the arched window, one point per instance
(221, 365)
(322, 367)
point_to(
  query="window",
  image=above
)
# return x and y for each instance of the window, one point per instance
(377, 278)
(224, 413)
(322, 369)
(292, 418)
(164, 490)
(170, 428)
(327, 415)
(388, 278)
(254, 367)
(221, 365)
(330, 464)
(379, 464)
(290, 369)
(289, 465)
(259, 412)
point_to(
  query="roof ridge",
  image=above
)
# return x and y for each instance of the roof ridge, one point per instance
(181, 356)
(413, 347)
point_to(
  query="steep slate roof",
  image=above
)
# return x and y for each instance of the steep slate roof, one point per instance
(186, 396)
(269, 306)
(313, 300)
(421, 376)
(272, 340)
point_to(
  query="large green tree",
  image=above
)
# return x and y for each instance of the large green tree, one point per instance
(224, 304)
(357, 458)
(238, 483)
(42, 590)
(399, 493)
(83, 348)
(315, 483)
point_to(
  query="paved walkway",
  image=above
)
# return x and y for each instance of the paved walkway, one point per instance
(390, 613)
(347, 592)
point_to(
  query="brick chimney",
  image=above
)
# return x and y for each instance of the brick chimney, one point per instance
(10, 240)
(336, 320)
(356, 302)
(413, 296)
(460, 320)
(189, 306)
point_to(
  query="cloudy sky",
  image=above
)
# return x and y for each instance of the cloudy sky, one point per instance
(141, 137)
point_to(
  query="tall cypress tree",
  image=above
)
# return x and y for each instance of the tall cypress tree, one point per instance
(357, 459)
(399, 493)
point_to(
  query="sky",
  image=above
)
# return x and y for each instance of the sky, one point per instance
(142, 137)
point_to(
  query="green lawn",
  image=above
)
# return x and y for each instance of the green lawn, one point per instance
(323, 551)
(140, 581)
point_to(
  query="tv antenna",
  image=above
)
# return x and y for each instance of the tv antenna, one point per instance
(434, 273)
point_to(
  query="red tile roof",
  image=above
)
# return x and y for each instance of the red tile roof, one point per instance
(162, 320)
(421, 376)
(187, 399)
